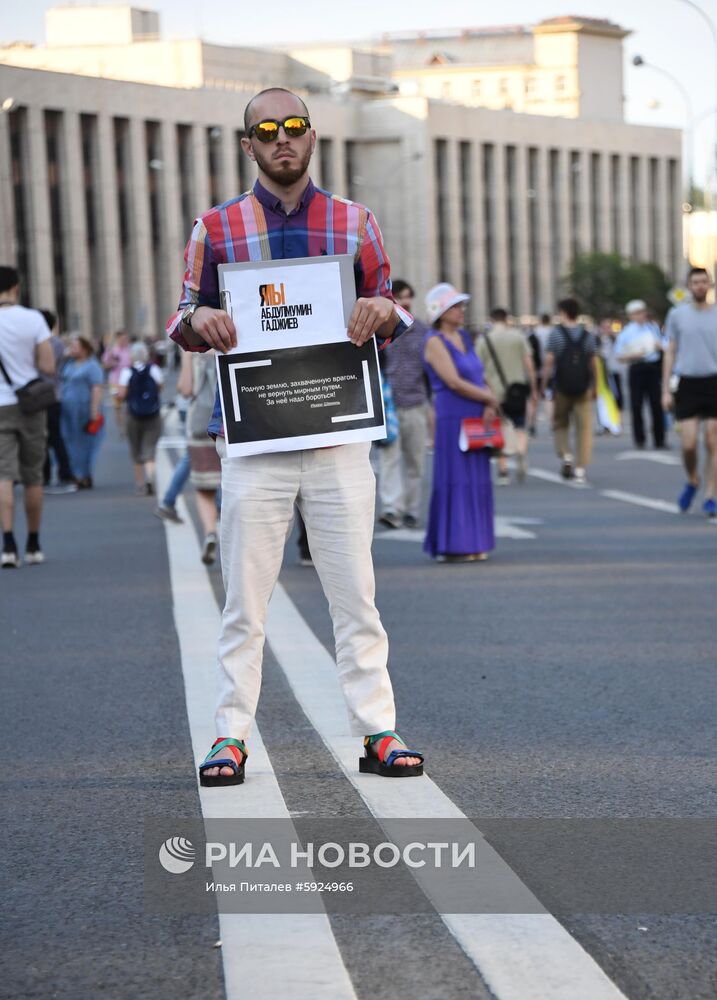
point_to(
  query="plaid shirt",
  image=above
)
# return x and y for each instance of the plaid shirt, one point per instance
(254, 226)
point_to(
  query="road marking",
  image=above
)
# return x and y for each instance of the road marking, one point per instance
(659, 457)
(554, 477)
(526, 956)
(640, 501)
(311, 963)
(505, 527)
(180, 443)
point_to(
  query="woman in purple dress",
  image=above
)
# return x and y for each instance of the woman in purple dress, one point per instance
(460, 520)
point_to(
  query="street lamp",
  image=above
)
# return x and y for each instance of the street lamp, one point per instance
(689, 150)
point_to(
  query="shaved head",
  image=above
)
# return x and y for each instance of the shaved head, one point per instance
(263, 93)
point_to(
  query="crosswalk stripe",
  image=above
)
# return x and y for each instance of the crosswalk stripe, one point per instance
(311, 965)
(641, 501)
(520, 956)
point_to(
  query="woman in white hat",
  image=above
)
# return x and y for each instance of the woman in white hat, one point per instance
(460, 520)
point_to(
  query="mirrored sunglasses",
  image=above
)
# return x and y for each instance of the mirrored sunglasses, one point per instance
(268, 130)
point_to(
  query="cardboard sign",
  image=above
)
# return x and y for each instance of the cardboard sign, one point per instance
(295, 380)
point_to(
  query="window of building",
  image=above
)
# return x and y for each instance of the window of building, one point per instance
(54, 137)
(615, 204)
(556, 208)
(575, 206)
(504, 86)
(654, 201)
(510, 213)
(440, 164)
(476, 90)
(446, 90)
(531, 86)
(326, 163)
(467, 220)
(88, 136)
(214, 143)
(560, 84)
(533, 242)
(488, 177)
(184, 152)
(596, 200)
(20, 172)
(673, 210)
(634, 205)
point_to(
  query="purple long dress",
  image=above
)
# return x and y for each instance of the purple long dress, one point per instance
(460, 519)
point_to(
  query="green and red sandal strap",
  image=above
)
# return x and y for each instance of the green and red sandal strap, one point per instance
(384, 739)
(230, 760)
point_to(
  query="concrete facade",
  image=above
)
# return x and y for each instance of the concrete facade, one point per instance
(100, 182)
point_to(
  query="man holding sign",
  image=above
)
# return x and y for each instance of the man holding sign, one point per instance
(282, 218)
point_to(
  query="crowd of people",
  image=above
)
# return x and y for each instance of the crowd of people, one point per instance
(438, 378)
(435, 376)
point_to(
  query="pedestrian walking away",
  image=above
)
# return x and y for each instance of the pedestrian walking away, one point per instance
(25, 354)
(571, 358)
(691, 351)
(334, 488)
(639, 345)
(510, 373)
(401, 465)
(198, 382)
(55, 442)
(460, 519)
(139, 387)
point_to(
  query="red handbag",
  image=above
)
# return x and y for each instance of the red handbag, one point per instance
(475, 436)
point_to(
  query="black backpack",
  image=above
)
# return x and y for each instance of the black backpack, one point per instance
(142, 394)
(573, 368)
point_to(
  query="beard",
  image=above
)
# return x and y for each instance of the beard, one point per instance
(284, 172)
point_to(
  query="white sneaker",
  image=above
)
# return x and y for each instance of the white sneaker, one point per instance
(10, 560)
(579, 477)
(209, 549)
(34, 558)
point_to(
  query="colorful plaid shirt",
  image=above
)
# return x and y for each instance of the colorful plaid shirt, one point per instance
(254, 226)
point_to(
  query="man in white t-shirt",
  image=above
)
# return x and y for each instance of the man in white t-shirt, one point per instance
(25, 351)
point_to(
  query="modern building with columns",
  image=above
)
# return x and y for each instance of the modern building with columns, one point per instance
(101, 176)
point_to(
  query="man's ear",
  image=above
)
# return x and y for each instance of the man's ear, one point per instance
(247, 147)
(313, 141)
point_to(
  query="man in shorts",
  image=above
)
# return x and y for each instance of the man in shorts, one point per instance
(25, 351)
(691, 353)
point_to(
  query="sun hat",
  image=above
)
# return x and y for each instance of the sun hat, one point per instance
(634, 306)
(441, 298)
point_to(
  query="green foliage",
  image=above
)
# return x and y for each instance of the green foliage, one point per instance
(605, 282)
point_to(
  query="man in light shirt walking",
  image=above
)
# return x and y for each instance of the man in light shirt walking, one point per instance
(691, 331)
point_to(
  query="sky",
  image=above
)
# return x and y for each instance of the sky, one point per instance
(668, 34)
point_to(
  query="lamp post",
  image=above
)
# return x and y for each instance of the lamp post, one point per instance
(690, 115)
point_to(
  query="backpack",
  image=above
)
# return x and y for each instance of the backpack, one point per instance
(573, 369)
(142, 394)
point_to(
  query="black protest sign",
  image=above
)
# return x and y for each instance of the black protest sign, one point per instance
(291, 395)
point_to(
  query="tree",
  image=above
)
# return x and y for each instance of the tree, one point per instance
(605, 282)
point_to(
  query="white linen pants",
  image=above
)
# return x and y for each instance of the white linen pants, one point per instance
(335, 491)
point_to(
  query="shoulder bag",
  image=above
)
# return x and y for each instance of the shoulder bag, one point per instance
(34, 396)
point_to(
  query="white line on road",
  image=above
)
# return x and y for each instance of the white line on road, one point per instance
(505, 527)
(527, 956)
(311, 964)
(658, 457)
(640, 501)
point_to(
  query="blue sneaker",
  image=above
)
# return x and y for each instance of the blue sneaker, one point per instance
(710, 508)
(684, 501)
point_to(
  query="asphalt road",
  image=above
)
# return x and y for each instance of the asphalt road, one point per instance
(572, 676)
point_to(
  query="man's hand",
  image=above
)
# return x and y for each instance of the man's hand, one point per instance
(667, 401)
(368, 316)
(215, 327)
